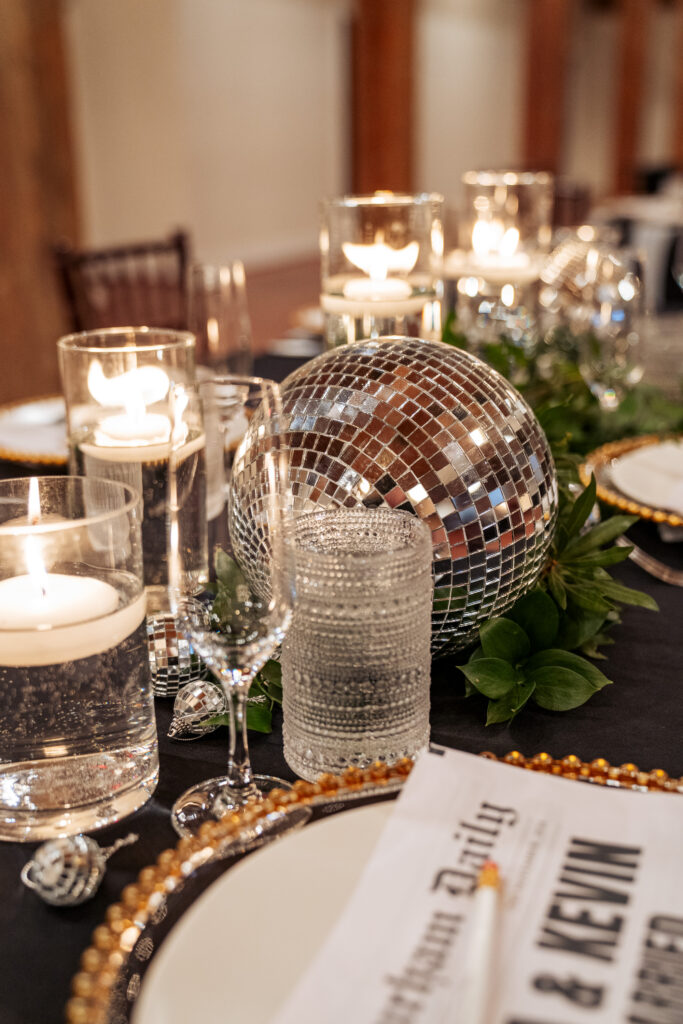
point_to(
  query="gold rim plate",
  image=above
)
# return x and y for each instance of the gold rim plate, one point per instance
(112, 969)
(600, 462)
(33, 431)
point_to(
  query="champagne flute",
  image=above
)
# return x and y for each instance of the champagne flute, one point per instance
(239, 615)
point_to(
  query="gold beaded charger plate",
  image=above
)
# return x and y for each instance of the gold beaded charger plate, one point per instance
(33, 432)
(640, 475)
(190, 940)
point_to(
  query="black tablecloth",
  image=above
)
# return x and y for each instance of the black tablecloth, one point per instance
(639, 719)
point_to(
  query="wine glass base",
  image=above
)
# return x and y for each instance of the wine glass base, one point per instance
(198, 804)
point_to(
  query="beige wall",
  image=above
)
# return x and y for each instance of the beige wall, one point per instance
(225, 116)
(230, 117)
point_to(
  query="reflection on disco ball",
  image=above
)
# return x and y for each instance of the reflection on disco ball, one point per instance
(424, 427)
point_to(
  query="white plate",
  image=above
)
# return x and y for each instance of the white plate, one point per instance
(652, 475)
(241, 947)
(34, 431)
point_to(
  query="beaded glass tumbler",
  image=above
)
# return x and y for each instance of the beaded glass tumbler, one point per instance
(356, 660)
(431, 430)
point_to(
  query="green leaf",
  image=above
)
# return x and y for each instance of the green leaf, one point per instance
(537, 614)
(557, 588)
(503, 638)
(557, 658)
(560, 689)
(626, 595)
(597, 536)
(228, 572)
(270, 678)
(581, 509)
(492, 676)
(577, 627)
(610, 556)
(259, 717)
(505, 708)
(587, 597)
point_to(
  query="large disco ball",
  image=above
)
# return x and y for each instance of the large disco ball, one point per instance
(424, 427)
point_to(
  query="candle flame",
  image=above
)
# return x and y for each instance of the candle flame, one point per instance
(379, 259)
(490, 237)
(134, 390)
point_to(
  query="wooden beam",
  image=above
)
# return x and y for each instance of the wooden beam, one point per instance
(634, 16)
(37, 194)
(547, 62)
(382, 95)
(677, 146)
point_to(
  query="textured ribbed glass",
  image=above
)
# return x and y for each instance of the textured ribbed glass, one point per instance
(356, 662)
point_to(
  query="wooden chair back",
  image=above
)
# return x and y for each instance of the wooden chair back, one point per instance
(143, 284)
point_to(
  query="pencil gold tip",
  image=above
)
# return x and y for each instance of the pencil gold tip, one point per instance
(489, 875)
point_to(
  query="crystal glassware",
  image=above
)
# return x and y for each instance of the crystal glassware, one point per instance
(237, 613)
(613, 324)
(356, 661)
(78, 743)
(219, 317)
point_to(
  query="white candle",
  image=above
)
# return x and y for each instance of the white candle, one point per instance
(367, 289)
(49, 618)
(377, 294)
(125, 429)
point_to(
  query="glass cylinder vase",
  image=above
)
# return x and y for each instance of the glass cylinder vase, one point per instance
(78, 745)
(381, 266)
(121, 425)
(504, 237)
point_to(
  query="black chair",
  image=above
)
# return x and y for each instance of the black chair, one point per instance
(142, 284)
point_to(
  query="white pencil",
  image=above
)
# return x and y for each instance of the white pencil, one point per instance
(479, 968)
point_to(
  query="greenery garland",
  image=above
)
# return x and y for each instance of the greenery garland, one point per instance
(538, 651)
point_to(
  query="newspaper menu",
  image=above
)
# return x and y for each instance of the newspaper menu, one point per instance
(590, 922)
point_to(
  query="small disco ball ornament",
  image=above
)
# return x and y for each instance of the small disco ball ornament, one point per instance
(172, 659)
(68, 870)
(195, 705)
(424, 427)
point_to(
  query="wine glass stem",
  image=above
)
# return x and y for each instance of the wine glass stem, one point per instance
(239, 765)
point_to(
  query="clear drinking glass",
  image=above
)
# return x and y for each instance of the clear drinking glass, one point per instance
(78, 743)
(614, 324)
(356, 661)
(237, 613)
(219, 317)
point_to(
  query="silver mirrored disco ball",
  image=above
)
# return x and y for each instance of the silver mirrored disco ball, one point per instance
(420, 426)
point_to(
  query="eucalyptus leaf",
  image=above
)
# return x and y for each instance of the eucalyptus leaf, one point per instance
(491, 676)
(502, 638)
(560, 689)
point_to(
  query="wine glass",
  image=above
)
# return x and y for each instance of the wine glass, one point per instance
(218, 316)
(238, 615)
(615, 321)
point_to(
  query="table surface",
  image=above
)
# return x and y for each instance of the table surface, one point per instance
(639, 719)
